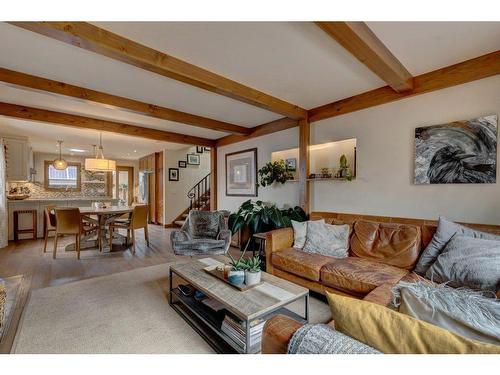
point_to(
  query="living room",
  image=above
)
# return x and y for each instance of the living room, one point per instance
(308, 185)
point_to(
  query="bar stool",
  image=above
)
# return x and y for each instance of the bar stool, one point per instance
(31, 230)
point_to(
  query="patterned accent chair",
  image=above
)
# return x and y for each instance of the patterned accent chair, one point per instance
(203, 233)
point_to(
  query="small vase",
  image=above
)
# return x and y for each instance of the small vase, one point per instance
(236, 277)
(252, 278)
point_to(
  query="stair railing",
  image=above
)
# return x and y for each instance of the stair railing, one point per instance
(199, 194)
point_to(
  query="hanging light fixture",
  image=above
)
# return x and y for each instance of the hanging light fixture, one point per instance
(60, 164)
(99, 163)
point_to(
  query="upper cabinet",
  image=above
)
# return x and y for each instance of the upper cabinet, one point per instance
(19, 158)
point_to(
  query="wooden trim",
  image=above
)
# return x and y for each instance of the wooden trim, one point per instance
(103, 42)
(213, 179)
(304, 142)
(362, 43)
(83, 122)
(466, 71)
(159, 191)
(135, 106)
(258, 131)
(78, 166)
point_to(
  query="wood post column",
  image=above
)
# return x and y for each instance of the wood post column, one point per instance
(213, 178)
(304, 141)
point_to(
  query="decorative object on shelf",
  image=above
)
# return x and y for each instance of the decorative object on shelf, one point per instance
(325, 173)
(206, 148)
(459, 152)
(182, 164)
(173, 174)
(99, 163)
(261, 217)
(275, 171)
(60, 164)
(241, 173)
(193, 159)
(199, 149)
(19, 193)
(344, 170)
(252, 271)
(291, 164)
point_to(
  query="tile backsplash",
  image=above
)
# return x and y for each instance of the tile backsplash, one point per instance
(37, 190)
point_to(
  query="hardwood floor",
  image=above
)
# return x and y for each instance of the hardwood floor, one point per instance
(27, 258)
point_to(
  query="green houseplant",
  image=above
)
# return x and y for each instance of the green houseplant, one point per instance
(344, 170)
(275, 171)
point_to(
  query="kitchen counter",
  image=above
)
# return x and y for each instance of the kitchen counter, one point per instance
(93, 199)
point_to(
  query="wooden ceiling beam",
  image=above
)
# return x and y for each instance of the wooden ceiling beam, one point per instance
(360, 41)
(103, 42)
(134, 106)
(467, 71)
(82, 122)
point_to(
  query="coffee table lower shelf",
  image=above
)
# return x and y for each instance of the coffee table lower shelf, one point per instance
(207, 323)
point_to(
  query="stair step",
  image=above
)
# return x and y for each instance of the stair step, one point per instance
(179, 223)
(184, 215)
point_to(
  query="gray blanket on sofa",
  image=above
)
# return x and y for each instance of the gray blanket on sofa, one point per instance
(323, 339)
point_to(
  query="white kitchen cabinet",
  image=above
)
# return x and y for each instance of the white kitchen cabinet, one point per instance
(19, 158)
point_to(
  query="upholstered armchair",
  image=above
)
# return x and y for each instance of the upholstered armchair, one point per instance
(203, 233)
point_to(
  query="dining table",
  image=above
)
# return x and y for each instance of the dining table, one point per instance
(102, 216)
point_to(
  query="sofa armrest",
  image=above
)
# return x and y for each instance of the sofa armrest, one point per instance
(277, 240)
(277, 333)
(381, 295)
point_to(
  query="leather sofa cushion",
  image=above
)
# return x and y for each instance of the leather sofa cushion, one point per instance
(393, 244)
(358, 275)
(300, 263)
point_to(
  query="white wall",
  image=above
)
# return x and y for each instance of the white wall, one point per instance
(385, 158)
(176, 200)
(287, 194)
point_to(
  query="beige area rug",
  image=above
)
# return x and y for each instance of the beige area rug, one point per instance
(127, 312)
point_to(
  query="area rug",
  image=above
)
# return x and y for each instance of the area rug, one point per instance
(127, 312)
(13, 287)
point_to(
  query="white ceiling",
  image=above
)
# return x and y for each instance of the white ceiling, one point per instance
(294, 61)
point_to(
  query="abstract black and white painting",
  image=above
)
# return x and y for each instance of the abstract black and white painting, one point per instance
(460, 152)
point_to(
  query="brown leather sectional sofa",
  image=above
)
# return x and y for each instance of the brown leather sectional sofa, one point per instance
(383, 251)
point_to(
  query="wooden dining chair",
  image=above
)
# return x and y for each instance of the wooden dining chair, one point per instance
(68, 221)
(138, 220)
(50, 223)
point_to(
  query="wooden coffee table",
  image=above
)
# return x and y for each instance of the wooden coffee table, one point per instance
(258, 303)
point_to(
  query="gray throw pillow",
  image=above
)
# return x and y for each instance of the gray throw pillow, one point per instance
(204, 224)
(300, 233)
(470, 262)
(445, 231)
(326, 239)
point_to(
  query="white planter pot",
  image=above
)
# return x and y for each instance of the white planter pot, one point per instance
(252, 278)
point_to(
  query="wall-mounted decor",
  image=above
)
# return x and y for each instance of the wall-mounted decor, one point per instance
(199, 149)
(291, 164)
(173, 174)
(457, 152)
(241, 173)
(193, 159)
(182, 164)
(206, 148)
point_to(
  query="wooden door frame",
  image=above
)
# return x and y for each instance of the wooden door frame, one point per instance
(131, 179)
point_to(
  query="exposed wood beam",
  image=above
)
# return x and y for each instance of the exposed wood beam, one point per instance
(360, 41)
(103, 42)
(304, 142)
(135, 106)
(268, 128)
(466, 71)
(82, 122)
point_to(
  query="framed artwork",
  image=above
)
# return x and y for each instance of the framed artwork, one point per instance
(199, 149)
(461, 152)
(182, 164)
(291, 164)
(241, 173)
(206, 148)
(193, 159)
(173, 174)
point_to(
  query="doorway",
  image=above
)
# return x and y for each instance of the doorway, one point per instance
(123, 185)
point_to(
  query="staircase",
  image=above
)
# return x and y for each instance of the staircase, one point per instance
(199, 199)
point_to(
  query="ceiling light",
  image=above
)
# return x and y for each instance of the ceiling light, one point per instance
(99, 163)
(60, 164)
(76, 150)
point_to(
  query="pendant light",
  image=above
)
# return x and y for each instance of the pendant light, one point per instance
(99, 163)
(60, 164)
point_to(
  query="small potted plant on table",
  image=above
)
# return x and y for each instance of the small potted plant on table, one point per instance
(252, 271)
(236, 275)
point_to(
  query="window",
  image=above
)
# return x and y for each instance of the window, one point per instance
(67, 179)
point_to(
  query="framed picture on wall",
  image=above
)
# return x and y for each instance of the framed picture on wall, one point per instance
(291, 164)
(199, 149)
(173, 174)
(241, 173)
(206, 148)
(182, 164)
(193, 159)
